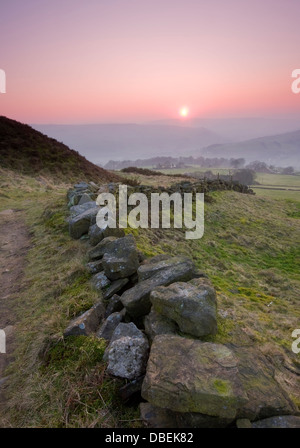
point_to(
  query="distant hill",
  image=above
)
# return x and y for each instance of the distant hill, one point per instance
(103, 142)
(28, 151)
(240, 128)
(279, 150)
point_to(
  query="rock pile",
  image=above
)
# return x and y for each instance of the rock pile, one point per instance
(153, 314)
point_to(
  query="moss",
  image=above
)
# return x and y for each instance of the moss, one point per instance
(223, 387)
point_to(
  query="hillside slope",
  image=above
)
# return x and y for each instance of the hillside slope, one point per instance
(28, 151)
(281, 149)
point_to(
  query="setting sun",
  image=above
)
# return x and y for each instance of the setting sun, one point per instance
(183, 112)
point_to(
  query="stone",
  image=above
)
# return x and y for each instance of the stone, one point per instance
(281, 421)
(123, 330)
(195, 420)
(192, 306)
(99, 250)
(157, 264)
(79, 224)
(108, 231)
(100, 281)
(95, 235)
(266, 398)
(115, 287)
(156, 324)
(136, 300)
(128, 329)
(87, 323)
(78, 209)
(127, 357)
(94, 266)
(131, 389)
(109, 325)
(155, 259)
(243, 423)
(155, 417)
(121, 258)
(114, 305)
(81, 186)
(186, 375)
(85, 198)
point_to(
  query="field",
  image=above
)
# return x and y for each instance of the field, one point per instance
(250, 251)
(273, 186)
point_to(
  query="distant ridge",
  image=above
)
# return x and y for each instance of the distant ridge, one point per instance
(30, 152)
(280, 149)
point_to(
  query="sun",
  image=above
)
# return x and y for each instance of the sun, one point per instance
(183, 111)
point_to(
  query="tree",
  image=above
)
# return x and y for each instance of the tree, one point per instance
(237, 163)
(288, 170)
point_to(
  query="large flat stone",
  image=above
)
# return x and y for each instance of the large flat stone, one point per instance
(266, 398)
(185, 375)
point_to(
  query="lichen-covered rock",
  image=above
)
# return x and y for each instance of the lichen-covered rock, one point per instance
(121, 258)
(85, 198)
(192, 306)
(137, 299)
(99, 250)
(127, 357)
(156, 324)
(109, 325)
(157, 264)
(124, 330)
(78, 209)
(79, 224)
(97, 234)
(152, 266)
(155, 417)
(114, 305)
(100, 281)
(282, 421)
(186, 375)
(86, 323)
(266, 398)
(94, 266)
(115, 287)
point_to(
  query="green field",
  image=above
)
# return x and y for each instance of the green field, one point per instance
(275, 186)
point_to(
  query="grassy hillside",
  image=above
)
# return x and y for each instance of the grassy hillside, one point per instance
(250, 250)
(27, 151)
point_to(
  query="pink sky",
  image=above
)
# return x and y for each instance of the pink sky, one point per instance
(74, 61)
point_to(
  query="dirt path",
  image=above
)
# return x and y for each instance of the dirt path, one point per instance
(14, 244)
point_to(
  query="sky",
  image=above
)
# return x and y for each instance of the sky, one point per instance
(93, 61)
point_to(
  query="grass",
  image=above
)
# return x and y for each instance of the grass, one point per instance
(55, 382)
(250, 251)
